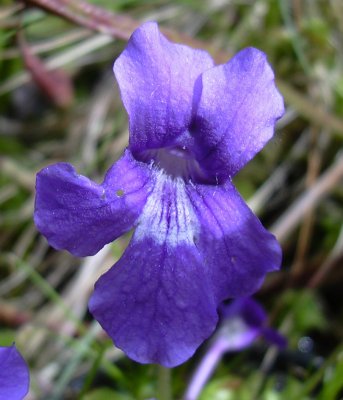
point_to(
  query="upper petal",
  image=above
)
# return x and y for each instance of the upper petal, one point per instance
(14, 374)
(156, 80)
(236, 248)
(81, 216)
(236, 112)
(156, 303)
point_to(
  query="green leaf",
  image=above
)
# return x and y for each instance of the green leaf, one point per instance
(307, 311)
(333, 382)
(106, 394)
(228, 388)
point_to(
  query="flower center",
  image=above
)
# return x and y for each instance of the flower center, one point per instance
(177, 162)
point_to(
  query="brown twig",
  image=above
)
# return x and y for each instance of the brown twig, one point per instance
(115, 25)
(295, 214)
(308, 109)
(121, 26)
(313, 170)
(12, 316)
(55, 84)
(329, 263)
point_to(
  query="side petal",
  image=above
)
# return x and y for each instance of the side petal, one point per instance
(236, 112)
(14, 374)
(81, 216)
(156, 80)
(155, 303)
(236, 248)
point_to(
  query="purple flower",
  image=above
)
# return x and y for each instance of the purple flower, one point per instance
(193, 126)
(14, 374)
(242, 322)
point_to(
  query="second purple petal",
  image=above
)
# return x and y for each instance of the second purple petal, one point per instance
(236, 112)
(14, 374)
(237, 250)
(81, 216)
(156, 302)
(156, 80)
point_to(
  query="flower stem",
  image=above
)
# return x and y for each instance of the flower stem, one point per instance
(163, 383)
(205, 370)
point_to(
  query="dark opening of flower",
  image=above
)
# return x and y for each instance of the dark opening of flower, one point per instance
(14, 374)
(193, 126)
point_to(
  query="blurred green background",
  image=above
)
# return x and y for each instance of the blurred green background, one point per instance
(59, 102)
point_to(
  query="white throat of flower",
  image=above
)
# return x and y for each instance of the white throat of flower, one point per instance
(168, 215)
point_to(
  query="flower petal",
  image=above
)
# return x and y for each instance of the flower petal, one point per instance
(14, 374)
(246, 317)
(274, 337)
(235, 246)
(236, 112)
(155, 303)
(247, 308)
(156, 79)
(235, 335)
(81, 216)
